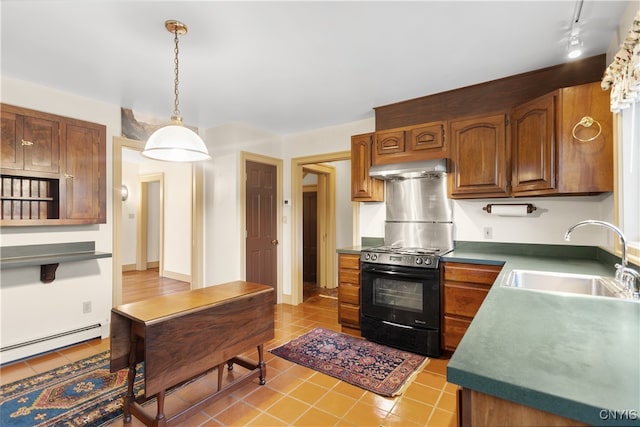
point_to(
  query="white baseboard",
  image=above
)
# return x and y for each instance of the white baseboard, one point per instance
(176, 276)
(30, 348)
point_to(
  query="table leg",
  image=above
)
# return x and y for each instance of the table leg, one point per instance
(160, 419)
(129, 398)
(262, 365)
(220, 367)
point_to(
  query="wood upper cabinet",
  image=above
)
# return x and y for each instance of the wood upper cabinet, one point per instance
(552, 153)
(363, 187)
(84, 164)
(421, 142)
(533, 147)
(29, 142)
(558, 144)
(479, 157)
(585, 153)
(53, 169)
(465, 288)
(349, 292)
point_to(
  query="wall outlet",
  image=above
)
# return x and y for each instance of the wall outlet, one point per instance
(488, 233)
(86, 307)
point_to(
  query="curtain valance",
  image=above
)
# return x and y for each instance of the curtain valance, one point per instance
(623, 75)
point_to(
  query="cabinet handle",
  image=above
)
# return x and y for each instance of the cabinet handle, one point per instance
(586, 122)
(26, 143)
(68, 176)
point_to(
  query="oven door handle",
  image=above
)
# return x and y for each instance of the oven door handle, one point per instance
(396, 324)
(395, 273)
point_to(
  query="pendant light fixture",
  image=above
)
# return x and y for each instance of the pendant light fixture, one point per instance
(176, 142)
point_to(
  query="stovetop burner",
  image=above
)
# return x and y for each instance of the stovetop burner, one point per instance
(404, 256)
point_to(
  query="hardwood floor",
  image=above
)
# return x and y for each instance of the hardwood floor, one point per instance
(139, 285)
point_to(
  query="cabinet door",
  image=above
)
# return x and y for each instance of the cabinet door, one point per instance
(585, 160)
(389, 142)
(41, 144)
(11, 140)
(363, 187)
(29, 143)
(84, 177)
(479, 156)
(533, 147)
(429, 137)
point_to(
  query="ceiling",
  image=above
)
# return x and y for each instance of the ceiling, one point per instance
(287, 67)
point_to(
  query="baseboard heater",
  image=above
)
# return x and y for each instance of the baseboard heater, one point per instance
(48, 343)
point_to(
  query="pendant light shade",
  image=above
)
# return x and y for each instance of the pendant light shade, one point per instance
(175, 142)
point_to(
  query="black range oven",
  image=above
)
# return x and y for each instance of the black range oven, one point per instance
(400, 298)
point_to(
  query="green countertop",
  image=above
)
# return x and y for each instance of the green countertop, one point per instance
(575, 356)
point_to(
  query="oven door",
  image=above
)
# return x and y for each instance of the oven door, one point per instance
(402, 295)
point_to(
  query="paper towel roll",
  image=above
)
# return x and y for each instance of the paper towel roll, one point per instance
(509, 210)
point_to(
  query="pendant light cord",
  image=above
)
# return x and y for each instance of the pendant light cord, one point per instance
(176, 110)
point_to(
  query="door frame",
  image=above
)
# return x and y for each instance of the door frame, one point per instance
(326, 189)
(142, 262)
(242, 178)
(197, 221)
(297, 166)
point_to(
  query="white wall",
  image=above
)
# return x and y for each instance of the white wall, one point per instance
(177, 215)
(222, 223)
(29, 308)
(130, 212)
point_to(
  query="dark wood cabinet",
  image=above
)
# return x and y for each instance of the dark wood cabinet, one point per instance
(349, 292)
(584, 153)
(465, 287)
(53, 169)
(558, 144)
(29, 142)
(421, 142)
(533, 148)
(552, 153)
(479, 157)
(84, 196)
(363, 187)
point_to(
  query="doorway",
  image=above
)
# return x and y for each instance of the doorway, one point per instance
(327, 257)
(120, 144)
(271, 268)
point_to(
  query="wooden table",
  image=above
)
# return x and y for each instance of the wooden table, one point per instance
(186, 334)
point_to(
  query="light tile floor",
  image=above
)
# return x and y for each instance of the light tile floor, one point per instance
(293, 395)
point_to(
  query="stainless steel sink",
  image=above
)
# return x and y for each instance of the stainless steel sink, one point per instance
(546, 281)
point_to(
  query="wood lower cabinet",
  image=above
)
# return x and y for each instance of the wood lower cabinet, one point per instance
(421, 142)
(363, 187)
(349, 292)
(479, 157)
(465, 287)
(53, 169)
(480, 409)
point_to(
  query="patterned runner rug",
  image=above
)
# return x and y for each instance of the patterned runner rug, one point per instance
(383, 370)
(82, 393)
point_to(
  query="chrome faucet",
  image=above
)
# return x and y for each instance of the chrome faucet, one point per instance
(627, 277)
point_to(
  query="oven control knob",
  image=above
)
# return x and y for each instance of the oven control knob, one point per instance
(418, 260)
(374, 257)
(427, 261)
(367, 256)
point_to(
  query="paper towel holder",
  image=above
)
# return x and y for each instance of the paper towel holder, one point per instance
(530, 207)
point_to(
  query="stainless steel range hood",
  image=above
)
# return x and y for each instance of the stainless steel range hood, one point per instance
(409, 169)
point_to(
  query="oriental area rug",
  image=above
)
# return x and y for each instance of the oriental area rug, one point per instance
(82, 393)
(377, 368)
